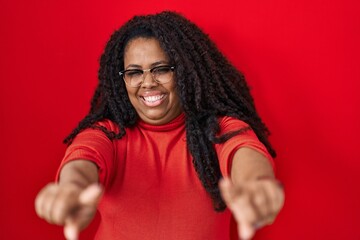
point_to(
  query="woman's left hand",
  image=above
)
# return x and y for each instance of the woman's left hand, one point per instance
(253, 204)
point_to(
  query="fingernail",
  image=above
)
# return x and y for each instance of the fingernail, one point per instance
(70, 233)
(246, 233)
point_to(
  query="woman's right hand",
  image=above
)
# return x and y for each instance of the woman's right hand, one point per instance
(68, 205)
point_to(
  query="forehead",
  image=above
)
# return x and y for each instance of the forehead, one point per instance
(143, 50)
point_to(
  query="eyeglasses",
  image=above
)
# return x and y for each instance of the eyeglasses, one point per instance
(136, 77)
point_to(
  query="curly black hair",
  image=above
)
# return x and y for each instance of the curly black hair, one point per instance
(208, 86)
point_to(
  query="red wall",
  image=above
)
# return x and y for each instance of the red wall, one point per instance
(300, 57)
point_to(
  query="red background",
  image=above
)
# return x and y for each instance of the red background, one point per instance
(300, 57)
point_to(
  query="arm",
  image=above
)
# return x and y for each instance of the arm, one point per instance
(249, 165)
(80, 172)
(72, 201)
(252, 194)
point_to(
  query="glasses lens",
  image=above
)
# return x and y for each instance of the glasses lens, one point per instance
(133, 77)
(162, 74)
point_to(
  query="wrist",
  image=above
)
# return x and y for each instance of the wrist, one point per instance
(77, 186)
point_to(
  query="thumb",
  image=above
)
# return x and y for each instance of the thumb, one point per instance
(91, 195)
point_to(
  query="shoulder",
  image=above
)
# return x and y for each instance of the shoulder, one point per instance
(104, 127)
(107, 124)
(228, 124)
(98, 132)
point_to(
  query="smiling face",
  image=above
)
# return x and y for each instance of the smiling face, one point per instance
(155, 103)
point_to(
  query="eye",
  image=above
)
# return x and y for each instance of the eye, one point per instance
(133, 73)
(161, 70)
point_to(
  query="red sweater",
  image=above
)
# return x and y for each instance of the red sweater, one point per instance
(151, 188)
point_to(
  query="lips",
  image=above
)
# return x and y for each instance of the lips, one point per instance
(153, 100)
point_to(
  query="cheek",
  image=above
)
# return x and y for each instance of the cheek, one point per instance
(132, 95)
(172, 89)
(130, 91)
(174, 96)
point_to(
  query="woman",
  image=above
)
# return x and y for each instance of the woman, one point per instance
(170, 118)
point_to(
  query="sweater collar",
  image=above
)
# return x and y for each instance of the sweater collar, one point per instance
(173, 124)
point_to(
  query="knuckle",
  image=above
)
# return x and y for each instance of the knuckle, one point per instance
(278, 198)
(59, 211)
(269, 219)
(243, 200)
(259, 199)
(38, 204)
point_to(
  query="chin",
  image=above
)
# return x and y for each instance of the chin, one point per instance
(156, 118)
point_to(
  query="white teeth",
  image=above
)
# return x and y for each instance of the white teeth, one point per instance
(153, 98)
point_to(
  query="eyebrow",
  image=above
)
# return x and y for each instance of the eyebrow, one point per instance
(151, 66)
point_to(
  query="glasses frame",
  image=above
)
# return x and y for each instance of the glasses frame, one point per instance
(123, 72)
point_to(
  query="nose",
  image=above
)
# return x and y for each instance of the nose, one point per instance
(149, 81)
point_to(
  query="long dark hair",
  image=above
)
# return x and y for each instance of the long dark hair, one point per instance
(207, 84)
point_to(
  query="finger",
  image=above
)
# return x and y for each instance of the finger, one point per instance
(246, 216)
(66, 201)
(246, 231)
(49, 197)
(261, 203)
(83, 215)
(71, 230)
(241, 207)
(78, 221)
(91, 195)
(41, 199)
(276, 197)
(227, 191)
(280, 199)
